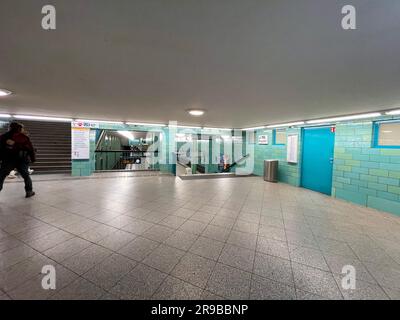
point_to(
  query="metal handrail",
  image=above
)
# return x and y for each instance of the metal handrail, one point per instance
(102, 134)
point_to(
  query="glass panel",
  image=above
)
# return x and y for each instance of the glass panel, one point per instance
(389, 134)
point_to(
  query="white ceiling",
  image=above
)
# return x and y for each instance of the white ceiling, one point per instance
(246, 62)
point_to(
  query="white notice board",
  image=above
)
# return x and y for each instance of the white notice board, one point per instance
(80, 143)
(263, 139)
(292, 148)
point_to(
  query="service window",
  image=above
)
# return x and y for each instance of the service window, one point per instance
(279, 137)
(387, 134)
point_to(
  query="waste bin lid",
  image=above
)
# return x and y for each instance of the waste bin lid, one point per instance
(271, 160)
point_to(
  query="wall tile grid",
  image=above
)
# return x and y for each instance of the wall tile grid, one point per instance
(363, 174)
(287, 172)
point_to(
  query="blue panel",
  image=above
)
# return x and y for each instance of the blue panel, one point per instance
(317, 162)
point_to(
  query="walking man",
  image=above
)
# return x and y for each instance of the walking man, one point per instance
(16, 152)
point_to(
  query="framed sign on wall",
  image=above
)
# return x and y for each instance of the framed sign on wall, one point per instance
(263, 139)
(292, 148)
(80, 143)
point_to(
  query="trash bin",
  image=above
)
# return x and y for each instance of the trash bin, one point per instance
(271, 170)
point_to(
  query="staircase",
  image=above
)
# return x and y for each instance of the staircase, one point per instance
(52, 141)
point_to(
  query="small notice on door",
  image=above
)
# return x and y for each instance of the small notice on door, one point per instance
(80, 143)
(292, 148)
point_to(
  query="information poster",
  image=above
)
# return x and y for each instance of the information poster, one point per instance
(292, 148)
(80, 143)
(263, 139)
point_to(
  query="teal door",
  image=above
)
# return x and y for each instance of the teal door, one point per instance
(317, 161)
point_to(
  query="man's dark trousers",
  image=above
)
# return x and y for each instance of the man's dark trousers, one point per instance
(21, 166)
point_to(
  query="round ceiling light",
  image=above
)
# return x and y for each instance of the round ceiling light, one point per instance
(4, 92)
(196, 112)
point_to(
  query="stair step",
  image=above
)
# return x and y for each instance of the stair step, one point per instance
(44, 155)
(50, 167)
(56, 148)
(66, 143)
(53, 144)
(56, 144)
(58, 162)
(52, 157)
(40, 172)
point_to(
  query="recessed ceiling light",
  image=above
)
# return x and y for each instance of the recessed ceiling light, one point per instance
(4, 92)
(196, 112)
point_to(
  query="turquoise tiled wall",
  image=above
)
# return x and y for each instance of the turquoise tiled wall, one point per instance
(363, 174)
(287, 172)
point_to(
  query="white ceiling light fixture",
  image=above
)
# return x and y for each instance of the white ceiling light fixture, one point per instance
(127, 134)
(5, 92)
(345, 118)
(101, 121)
(186, 127)
(222, 129)
(3, 115)
(253, 129)
(393, 112)
(146, 124)
(291, 124)
(42, 118)
(196, 112)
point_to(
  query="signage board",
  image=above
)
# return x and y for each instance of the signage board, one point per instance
(80, 143)
(85, 124)
(292, 148)
(263, 139)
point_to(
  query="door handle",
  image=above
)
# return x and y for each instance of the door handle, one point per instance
(331, 160)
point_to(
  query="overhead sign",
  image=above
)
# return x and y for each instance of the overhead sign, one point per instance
(85, 124)
(263, 139)
(80, 143)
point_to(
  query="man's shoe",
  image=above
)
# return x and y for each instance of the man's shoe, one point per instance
(29, 194)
